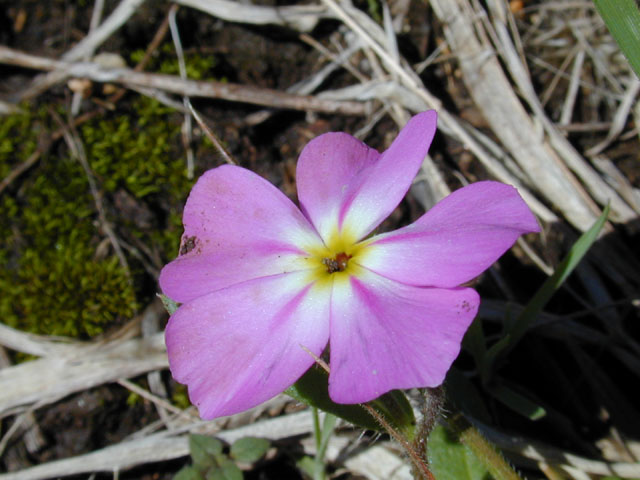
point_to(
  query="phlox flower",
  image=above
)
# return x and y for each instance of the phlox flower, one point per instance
(262, 281)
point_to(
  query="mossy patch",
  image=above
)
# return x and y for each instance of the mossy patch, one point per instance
(61, 275)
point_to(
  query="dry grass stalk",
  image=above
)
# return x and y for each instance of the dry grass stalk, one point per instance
(69, 368)
(192, 88)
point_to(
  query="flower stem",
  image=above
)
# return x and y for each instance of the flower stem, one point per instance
(321, 435)
(420, 465)
(492, 459)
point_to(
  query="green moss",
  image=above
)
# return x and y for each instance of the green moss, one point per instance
(198, 66)
(61, 275)
(53, 283)
(137, 153)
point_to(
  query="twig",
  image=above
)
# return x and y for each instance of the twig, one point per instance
(160, 447)
(211, 136)
(187, 134)
(48, 379)
(572, 91)
(157, 39)
(77, 150)
(299, 17)
(96, 15)
(90, 43)
(149, 396)
(620, 117)
(192, 88)
(309, 40)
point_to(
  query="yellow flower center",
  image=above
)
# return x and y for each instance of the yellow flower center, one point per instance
(338, 264)
(336, 260)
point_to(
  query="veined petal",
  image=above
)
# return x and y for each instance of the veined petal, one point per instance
(327, 168)
(237, 226)
(238, 347)
(386, 335)
(456, 240)
(345, 185)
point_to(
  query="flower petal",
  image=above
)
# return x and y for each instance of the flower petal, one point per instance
(343, 184)
(237, 226)
(386, 335)
(456, 240)
(240, 346)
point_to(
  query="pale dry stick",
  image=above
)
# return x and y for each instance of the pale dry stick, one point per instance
(616, 178)
(601, 64)
(510, 122)
(22, 417)
(32, 344)
(310, 84)
(159, 96)
(519, 44)
(119, 16)
(211, 136)
(161, 447)
(68, 368)
(620, 117)
(187, 132)
(15, 426)
(596, 186)
(96, 15)
(559, 6)
(391, 40)
(557, 76)
(160, 402)
(447, 120)
(299, 17)
(566, 461)
(553, 164)
(51, 378)
(583, 83)
(149, 323)
(572, 92)
(529, 252)
(76, 148)
(193, 88)
(157, 39)
(309, 40)
(435, 56)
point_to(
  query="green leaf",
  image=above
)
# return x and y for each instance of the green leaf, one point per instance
(307, 465)
(465, 396)
(517, 402)
(518, 328)
(449, 459)
(475, 342)
(205, 450)
(226, 471)
(396, 409)
(312, 389)
(169, 305)
(622, 18)
(188, 473)
(249, 449)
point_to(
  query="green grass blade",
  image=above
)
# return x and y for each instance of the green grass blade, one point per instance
(622, 18)
(520, 325)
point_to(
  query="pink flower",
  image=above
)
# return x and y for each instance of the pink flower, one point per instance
(259, 279)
